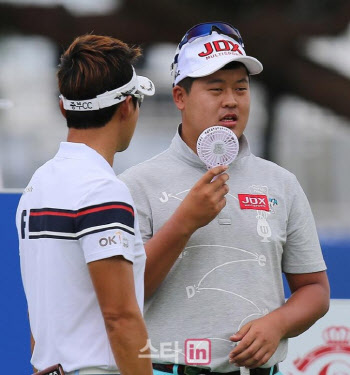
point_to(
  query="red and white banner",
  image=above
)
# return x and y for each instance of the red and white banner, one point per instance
(325, 348)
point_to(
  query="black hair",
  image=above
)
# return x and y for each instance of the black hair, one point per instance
(92, 65)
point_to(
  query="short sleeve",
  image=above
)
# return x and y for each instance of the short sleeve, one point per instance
(105, 222)
(302, 252)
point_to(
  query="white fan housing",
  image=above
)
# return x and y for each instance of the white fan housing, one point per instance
(217, 145)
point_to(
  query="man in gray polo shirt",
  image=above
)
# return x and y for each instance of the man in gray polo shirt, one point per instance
(215, 256)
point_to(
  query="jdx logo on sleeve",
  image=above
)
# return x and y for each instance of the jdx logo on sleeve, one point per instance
(253, 202)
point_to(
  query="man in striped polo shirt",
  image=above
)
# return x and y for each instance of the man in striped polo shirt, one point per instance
(82, 257)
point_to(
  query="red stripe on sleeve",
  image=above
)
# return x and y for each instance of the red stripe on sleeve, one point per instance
(85, 212)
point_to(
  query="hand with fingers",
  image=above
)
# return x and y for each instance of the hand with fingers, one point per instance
(257, 341)
(205, 200)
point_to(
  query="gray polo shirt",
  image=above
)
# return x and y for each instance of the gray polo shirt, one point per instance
(230, 271)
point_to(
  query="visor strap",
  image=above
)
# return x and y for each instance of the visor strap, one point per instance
(104, 100)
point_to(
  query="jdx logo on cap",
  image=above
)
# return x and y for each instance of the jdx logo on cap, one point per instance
(253, 202)
(219, 46)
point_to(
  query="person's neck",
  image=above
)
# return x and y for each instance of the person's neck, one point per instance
(97, 138)
(188, 138)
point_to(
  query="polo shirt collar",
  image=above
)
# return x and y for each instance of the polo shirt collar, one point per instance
(187, 155)
(80, 151)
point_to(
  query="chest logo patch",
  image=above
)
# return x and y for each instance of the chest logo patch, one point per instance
(253, 202)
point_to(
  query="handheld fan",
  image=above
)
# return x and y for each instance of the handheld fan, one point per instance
(217, 145)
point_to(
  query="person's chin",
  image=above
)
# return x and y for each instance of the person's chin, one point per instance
(123, 147)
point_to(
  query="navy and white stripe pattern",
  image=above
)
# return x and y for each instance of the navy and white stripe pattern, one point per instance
(72, 225)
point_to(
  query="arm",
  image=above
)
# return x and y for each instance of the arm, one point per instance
(259, 338)
(114, 284)
(201, 205)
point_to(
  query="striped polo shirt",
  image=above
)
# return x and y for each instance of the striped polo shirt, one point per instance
(74, 211)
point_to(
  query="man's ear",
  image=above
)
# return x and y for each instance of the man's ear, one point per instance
(179, 94)
(126, 107)
(63, 111)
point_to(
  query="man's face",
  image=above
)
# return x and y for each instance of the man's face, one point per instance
(222, 98)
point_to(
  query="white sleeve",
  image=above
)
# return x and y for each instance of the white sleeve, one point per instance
(105, 222)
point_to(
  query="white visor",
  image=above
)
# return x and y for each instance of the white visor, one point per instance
(138, 85)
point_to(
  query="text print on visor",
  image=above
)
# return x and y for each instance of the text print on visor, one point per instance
(137, 87)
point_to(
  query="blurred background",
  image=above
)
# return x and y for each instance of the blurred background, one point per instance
(300, 116)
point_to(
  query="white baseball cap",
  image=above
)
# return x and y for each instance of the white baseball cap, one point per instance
(138, 86)
(207, 54)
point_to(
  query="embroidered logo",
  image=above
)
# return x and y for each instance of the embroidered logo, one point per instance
(253, 202)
